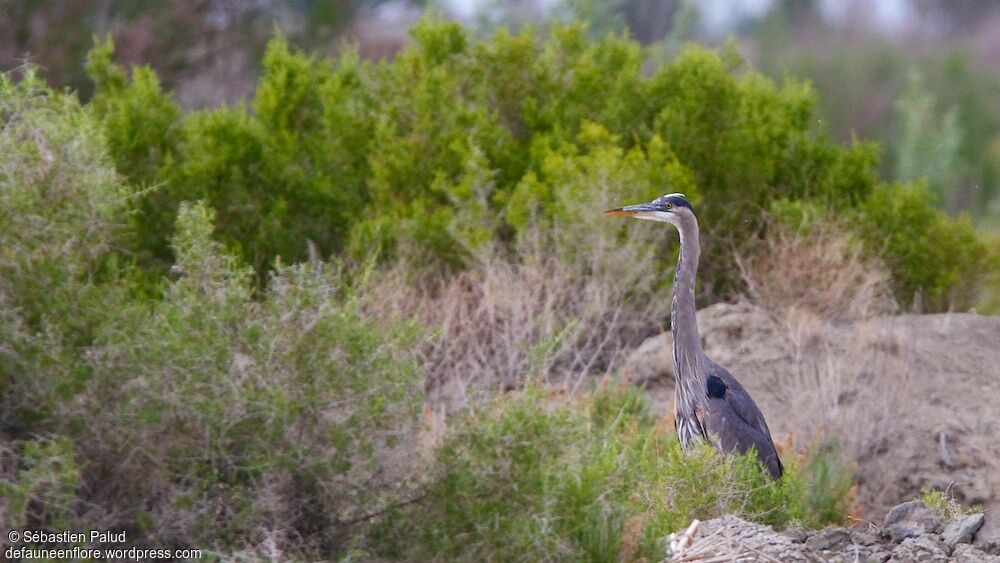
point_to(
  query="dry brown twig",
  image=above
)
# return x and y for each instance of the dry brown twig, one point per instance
(715, 548)
(680, 543)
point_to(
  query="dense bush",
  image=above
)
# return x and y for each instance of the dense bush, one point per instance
(542, 476)
(936, 261)
(278, 417)
(212, 416)
(275, 178)
(60, 206)
(451, 146)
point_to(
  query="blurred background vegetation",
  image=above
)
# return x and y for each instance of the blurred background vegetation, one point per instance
(900, 74)
(914, 76)
(244, 242)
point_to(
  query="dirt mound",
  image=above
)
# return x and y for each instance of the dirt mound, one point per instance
(911, 398)
(911, 532)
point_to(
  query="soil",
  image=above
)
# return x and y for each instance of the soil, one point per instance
(913, 399)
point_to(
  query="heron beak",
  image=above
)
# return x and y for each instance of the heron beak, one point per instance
(632, 210)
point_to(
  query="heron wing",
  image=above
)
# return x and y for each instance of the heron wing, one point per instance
(742, 404)
(733, 433)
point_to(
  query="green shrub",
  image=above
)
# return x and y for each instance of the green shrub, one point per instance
(205, 415)
(61, 208)
(945, 505)
(139, 117)
(936, 262)
(262, 418)
(278, 177)
(555, 211)
(141, 123)
(38, 481)
(538, 476)
(443, 150)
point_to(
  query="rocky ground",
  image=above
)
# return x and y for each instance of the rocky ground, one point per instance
(909, 532)
(912, 400)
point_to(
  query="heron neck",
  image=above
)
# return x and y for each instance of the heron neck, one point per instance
(683, 322)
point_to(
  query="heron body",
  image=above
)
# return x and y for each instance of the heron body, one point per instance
(710, 404)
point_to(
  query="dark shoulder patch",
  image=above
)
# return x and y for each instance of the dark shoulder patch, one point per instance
(715, 387)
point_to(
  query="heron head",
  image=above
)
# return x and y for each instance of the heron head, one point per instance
(669, 209)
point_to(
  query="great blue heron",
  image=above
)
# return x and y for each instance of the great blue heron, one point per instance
(709, 403)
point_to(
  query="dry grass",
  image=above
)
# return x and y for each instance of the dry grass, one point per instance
(844, 381)
(504, 321)
(823, 272)
(834, 379)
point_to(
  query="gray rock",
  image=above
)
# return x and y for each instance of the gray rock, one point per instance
(758, 536)
(651, 363)
(962, 529)
(798, 535)
(864, 538)
(744, 541)
(854, 554)
(830, 539)
(923, 549)
(902, 511)
(990, 545)
(849, 546)
(966, 553)
(911, 519)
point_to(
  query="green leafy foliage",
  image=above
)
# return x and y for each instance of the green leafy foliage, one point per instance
(934, 260)
(557, 202)
(540, 476)
(270, 174)
(454, 143)
(945, 505)
(296, 390)
(38, 480)
(142, 126)
(211, 415)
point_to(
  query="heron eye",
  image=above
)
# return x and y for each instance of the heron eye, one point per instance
(669, 205)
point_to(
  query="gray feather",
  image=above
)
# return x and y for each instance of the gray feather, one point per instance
(736, 423)
(742, 404)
